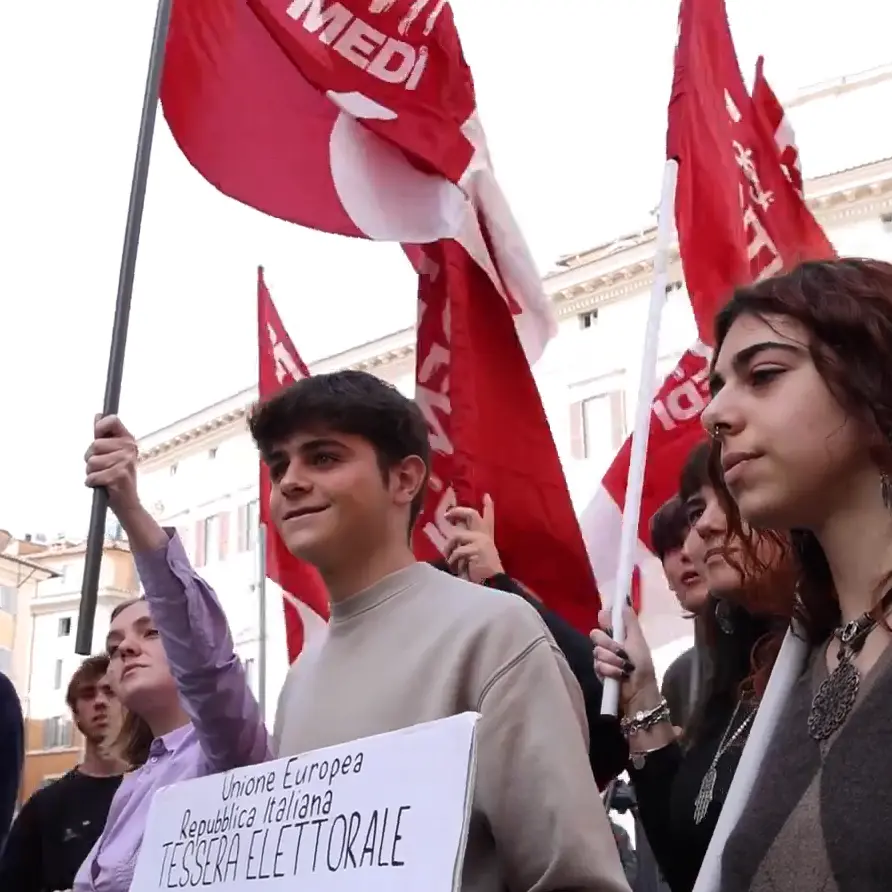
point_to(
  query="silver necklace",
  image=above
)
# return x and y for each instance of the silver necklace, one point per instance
(707, 785)
(837, 694)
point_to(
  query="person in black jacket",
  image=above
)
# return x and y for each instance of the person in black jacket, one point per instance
(682, 681)
(12, 754)
(472, 553)
(58, 826)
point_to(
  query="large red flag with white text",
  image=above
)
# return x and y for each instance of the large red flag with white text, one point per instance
(740, 217)
(359, 117)
(305, 599)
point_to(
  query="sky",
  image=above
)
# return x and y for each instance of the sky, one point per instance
(572, 94)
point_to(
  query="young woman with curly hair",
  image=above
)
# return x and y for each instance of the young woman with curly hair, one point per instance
(802, 419)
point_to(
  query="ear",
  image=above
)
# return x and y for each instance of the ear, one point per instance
(406, 479)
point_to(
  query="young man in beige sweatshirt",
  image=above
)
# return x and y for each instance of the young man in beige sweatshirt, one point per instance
(348, 458)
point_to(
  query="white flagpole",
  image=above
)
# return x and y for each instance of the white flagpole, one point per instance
(647, 387)
(261, 592)
(787, 668)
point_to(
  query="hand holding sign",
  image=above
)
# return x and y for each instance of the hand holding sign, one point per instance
(383, 814)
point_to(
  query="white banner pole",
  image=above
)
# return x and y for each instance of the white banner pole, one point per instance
(647, 388)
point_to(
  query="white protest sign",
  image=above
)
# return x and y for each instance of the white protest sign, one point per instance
(384, 814)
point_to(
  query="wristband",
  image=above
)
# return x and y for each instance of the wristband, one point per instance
(644, 720)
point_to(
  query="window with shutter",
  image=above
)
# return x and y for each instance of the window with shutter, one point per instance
(577, 430)
(8, 597)
(618, 417)
(57, 732)
(242, 526)
(223, 535)
(598, 426)
(200, 544)
(253, 524)
(211, 538)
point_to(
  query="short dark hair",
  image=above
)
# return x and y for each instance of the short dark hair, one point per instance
(90, 672)
(347, 402)
(669, 527)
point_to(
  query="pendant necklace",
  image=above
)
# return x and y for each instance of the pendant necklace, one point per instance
(836, 696)
(707, 785)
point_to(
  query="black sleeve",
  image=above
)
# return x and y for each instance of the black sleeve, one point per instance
(675, 693)
(21, 864)
(653, 791)
(12, 753)
(608, 751)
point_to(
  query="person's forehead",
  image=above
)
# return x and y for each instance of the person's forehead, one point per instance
(132, 613)
(88, 687)
(749, 330)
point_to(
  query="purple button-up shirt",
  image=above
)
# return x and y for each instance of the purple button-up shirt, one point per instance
(226, 729)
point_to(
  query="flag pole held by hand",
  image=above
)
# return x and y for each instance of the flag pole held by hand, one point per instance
(96, 532)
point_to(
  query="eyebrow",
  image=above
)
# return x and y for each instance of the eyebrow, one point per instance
(142, 623)
(695, 501)
(745, 356)
(278, 453)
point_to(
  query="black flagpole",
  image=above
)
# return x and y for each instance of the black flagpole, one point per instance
(96, 533)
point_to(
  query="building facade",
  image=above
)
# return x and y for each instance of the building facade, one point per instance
(199, 474)
(53, 745)
(19, 577)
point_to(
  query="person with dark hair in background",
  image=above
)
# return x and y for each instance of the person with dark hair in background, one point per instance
(681, 784)
(12, 754)
(472, 554)
(669, 528)
(348, 457)
(61, 822)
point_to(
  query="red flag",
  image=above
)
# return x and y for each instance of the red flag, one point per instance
(773, 119)
(359, 117)
(739, 219)
(264, 100)
(489, 434)
(305, 599)
(738, 216)
(349, 116)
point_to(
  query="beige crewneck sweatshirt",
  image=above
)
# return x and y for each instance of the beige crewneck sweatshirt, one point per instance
(422, 645)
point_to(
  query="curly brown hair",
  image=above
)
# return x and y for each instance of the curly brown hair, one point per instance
(846, 307)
